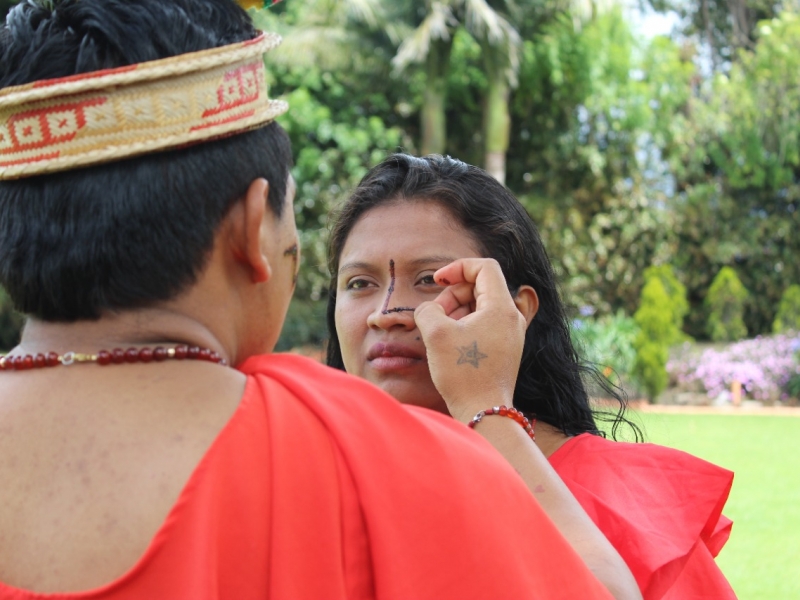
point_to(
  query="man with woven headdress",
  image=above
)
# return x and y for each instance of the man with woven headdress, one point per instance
(147, 233)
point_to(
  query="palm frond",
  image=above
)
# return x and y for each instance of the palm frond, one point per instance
(584, 11)
(435, 26)
(483, 21)
(369, 12)
(329, 48)
(499, 39)
(398, 31)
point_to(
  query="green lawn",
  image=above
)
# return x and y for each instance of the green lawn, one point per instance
(761, 557)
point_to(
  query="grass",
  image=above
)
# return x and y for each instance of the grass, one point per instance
(760, 559)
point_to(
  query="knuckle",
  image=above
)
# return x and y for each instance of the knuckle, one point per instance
(435, 334)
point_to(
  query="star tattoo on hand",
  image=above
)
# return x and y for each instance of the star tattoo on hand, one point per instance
(471, 355)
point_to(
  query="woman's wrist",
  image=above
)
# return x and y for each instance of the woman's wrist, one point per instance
(508, 412)
(465, 410)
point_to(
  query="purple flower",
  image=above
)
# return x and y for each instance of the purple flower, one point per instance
(762, 365)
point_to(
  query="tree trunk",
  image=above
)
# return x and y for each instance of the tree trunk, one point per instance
(496, 123)
(434, 127)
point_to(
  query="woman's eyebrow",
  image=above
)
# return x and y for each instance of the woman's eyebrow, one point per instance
(416, 262)
(355, 265)
(427, 260)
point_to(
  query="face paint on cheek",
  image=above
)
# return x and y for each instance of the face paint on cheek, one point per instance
(386, 310)
(293, 251)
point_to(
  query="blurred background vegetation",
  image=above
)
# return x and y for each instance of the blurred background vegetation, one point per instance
(630, 151)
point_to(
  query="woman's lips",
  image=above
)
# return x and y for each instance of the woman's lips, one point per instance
(392, 356)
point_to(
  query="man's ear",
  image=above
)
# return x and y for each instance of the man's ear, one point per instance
(247, 222)
(527, 301)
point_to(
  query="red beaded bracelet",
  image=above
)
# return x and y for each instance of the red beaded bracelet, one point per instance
(505, 411)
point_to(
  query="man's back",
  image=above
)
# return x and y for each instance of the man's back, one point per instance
(320, 486)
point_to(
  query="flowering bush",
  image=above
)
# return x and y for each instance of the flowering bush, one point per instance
(764, 366)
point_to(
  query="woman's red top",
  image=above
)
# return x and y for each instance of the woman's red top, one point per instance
(660, 508)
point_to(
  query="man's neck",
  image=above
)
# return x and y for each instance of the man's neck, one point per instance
(144, 327)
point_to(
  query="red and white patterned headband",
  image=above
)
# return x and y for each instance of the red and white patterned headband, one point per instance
(58, 124)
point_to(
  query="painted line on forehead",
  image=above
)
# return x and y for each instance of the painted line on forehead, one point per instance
(391, 288)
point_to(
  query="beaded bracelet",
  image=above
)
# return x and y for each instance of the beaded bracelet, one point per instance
(505, 411)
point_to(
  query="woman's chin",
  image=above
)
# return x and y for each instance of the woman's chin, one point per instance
(415, 395)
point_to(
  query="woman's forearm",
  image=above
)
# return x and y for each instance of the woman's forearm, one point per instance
(560, 505)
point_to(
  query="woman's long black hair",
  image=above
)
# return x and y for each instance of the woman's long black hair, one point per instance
(550, 384)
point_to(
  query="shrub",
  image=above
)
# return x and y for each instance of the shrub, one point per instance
(656, 332)
(788, 317)
(793, 385)
(676, 294)
(725, 304)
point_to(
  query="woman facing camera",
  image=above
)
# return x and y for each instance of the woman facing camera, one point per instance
(419, 229)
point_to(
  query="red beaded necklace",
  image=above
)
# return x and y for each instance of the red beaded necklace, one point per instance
(116, 356)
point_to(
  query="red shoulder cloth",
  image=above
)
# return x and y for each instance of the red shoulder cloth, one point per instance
(323, 487)
(659, 507)
(445, 516)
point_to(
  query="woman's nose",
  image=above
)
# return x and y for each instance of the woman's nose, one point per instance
(392, 313)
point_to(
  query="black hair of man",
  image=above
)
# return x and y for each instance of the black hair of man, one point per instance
(127, 234)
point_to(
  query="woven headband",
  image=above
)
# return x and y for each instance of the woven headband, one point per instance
(58, 124)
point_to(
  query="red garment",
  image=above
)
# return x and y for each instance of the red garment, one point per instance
(660, 508)
(323, 487)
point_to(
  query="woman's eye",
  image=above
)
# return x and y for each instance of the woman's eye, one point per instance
(357, 284)
(427, 280)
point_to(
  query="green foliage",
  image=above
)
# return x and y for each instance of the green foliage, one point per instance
(676, 294)
(721, 25)
(607, 343)
(725, 303)
(304, 325)
(737, 161)
(656, 331)
(583, 108)
(793, 386)
(623, 151)
(760, 147)
(788, 317)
